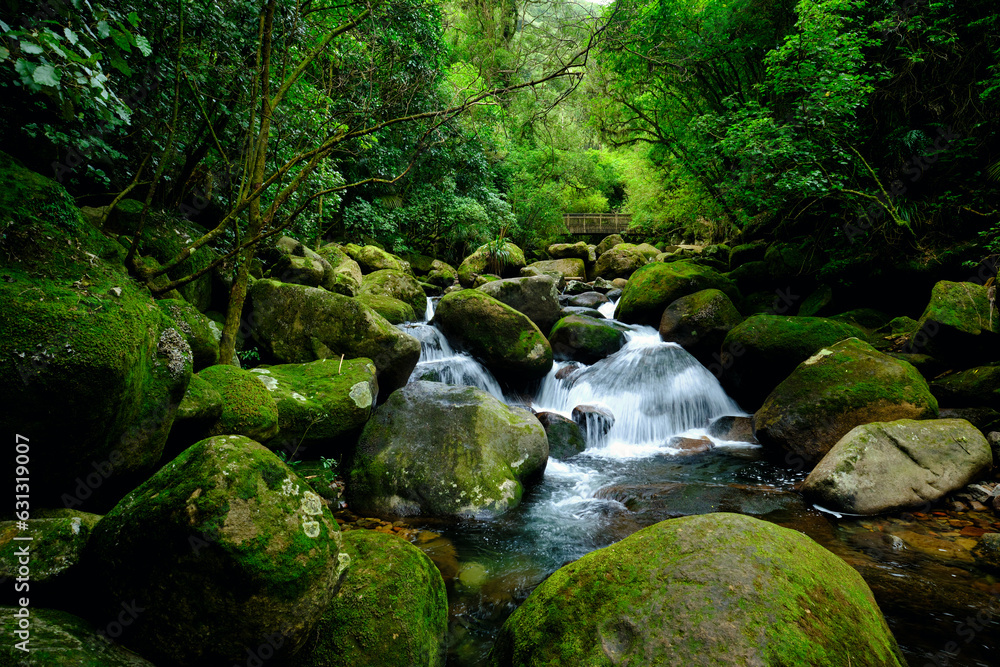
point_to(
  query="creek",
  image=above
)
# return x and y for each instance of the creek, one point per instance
(941, 608)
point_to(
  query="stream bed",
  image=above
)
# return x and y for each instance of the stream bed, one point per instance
(941, 608)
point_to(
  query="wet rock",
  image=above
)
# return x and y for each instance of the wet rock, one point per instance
(583, 312)
(396, 284)
(840, 387)
(764, 349)
(234, 547)
(585, 339)
(393, 310)
(588, 300)
(985, 419)
(880, 467)
(441, 274)
(568, 370)
(445, 451)
(506, 341)
(390, 610)
(690, 445)
(603, 286)
(987, 552)
(699, 323)
(564, 435)
(537, 297)
(654, 287)
(507, 264)
(594, 421)
(993, 438)
(691, 592)
(736, 429)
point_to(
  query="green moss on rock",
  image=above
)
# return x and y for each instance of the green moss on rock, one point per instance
(655, 286)
(585, 339)
(393, 310)
(247, 408)
(59, 639)
(398, 285)
(201, 333)
(479, 263)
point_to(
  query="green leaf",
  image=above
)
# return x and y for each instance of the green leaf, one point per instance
(143, 45)
(133, 18)
(103, 29)
(31, 47)
(121, 39)
(4, 53)
(47, 76)
(70, 35)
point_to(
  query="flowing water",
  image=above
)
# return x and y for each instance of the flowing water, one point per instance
(634, 475)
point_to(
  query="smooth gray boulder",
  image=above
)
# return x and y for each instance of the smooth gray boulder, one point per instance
(535, 296)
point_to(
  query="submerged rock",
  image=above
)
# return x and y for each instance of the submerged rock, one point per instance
(224, 548)
(702, 590)
(838, 388)
(881, 467)
(392, 608)
(439, 450)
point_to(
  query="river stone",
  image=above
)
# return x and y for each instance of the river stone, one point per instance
(699, 323)
(247, 407)
(975, 387)
(299, 265)
(446, 451)
(886, 466)
(202, 334)
(345, 274)
(59, 639)
(441, 274)
(564, 435)
(589, 299)
(840, 387)
(585, 339)
(509, 344)
(90, 368)
(761, 352)
(987, 552)
(320, 401)
(478, 263)
(297, 324)
(398, 285)
(716, 589)
(223, 548)
(733, 429)
(655, 286)
(566, 268)
(575, 288)
(578, 250)
(537, 297)
(391, 610)
(753, 277)
(372, 258)
(595, 421)
(620, 261)
(393, 310)
(607, 243)
(960, 324)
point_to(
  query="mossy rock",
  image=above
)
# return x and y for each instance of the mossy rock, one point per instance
(747, 252)
(535, 296)
(59, 639)
(398, 285)
(392, 608)
(818, 304)
(715, 589)
(619, 261)
(89, 365)
(607, 243)
(297, 324)
(441, 274)
(346, 273)
(223, 548)
(479, 263)
(393, 310)
(699, 323)
(319, 402)
(886, 466)
(421, 264)
(164, 237)
(959, 325)
(865, 318)
(247, 408)
(202, 402)
(578, 250)
(372, 258)
(975, 387)
(201, 333)
(509, 344)
(753, 277)
(446, 451)
(564, 435)
(567, 268)
(763, 350)
(840, 387)
(301, 270)
(655, 286)
(585, 339)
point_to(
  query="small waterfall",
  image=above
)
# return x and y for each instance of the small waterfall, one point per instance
(654, 389)
(429, 310)
(440, 363)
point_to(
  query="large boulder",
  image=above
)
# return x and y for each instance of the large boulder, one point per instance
(886, 466)
(655, 286)
(975, 387)
(392, 608)
(578, 250)
(505, 262)
(393, 310)
(319, 402)
(447, 451)
(699, 323)
(761, 351)
(960, 324)
(345, 274)
(619, 261)
(201, 334)
(715, 589)
(300, 265)
(569, 268)
(441, 274)
(247, 408)
(91, 370)
(564, 435)
(585, 339)
(164, 238)
(840, 387)
(607, 243)
(297, 324)
(398, 285)
(224, 548)
(58, 639)
(508, 343)
(372, 258)
(536, 297)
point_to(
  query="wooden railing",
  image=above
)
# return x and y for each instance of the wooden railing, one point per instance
(596, 223)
